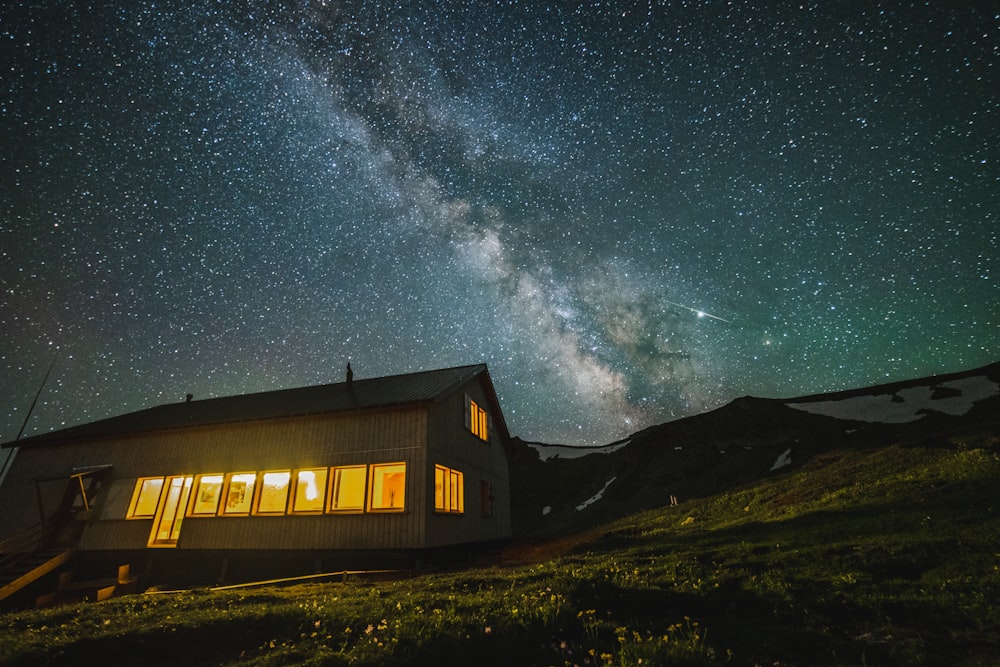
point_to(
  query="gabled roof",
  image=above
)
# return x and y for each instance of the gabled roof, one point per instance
(366, 394)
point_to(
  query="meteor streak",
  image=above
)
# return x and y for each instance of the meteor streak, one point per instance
(699, 313)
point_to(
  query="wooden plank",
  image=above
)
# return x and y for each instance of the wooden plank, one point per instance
(35, 574)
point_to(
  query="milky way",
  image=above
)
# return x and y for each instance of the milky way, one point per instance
(631, 214)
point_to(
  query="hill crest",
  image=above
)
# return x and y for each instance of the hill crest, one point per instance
(559, 489)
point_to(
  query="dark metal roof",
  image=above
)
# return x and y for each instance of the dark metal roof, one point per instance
(366, 394)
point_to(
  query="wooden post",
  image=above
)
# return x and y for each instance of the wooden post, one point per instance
(83, 493)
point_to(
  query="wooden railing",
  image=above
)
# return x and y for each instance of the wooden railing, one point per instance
(16, 545)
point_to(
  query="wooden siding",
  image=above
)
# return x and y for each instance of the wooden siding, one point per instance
(451, 444)
(317, 441)
(421, 436)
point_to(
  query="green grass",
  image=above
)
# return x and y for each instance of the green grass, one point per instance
(860, 557)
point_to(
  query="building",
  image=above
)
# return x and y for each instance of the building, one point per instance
(367, 472)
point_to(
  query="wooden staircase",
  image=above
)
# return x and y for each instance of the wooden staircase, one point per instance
(24, 568)
(49, 546)
(92, 590)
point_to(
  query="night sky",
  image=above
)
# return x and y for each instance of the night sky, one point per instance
(631, 212)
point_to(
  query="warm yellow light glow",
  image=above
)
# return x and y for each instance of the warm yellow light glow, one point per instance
(310, 490)
(208, 491)
(478, 421)
(239, 493)
(170, 513)
(309, 478)
(457, 492)
(348, 489)
(388, 486)
(274, 492)
(145, 498)
(440, 488)
(449, 490)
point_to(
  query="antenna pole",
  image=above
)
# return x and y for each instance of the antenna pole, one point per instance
(10, 454)
(37, 394)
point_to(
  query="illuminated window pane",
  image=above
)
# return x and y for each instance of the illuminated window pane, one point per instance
(348, 489)
(239, 493)
(168, 521)
(449, 492)
(457, 495)
(274, 492)
(310, 490)
(440, 488)
(388, 484)
(208, 490)
(478, 420)
(145, 497)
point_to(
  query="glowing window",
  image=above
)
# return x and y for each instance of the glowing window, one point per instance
(273, 492)
(239, 492)
(310, 490)
(145, 498)
(170, 513)
(387, 486)
(207, 492)
(348, 489)
(476, 420)
(449, 490)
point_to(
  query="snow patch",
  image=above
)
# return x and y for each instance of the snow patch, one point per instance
(549, 452)
(906, 405)
(784, 460)
(597, 496)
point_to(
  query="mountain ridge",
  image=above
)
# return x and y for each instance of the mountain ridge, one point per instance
(559, 489)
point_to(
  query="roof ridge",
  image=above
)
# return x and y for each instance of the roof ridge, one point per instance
(359, 394)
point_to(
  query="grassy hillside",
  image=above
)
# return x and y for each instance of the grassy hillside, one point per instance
(877, 556)
(736, 444)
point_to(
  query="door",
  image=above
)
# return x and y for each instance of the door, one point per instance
(170, 513)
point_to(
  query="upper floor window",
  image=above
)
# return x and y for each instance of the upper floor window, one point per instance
(477, 420)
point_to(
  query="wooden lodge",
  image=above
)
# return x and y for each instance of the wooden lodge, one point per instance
(383, 472)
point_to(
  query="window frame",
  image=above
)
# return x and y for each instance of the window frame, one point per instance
(452, 480)
(227, 489)
(196, 491)
(259, 493)
(372, 480)
(335, 488)
(477, 419)
(294, 484)
(487, 499)
(137, 493)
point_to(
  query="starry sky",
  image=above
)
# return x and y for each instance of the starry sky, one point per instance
(632, 212)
